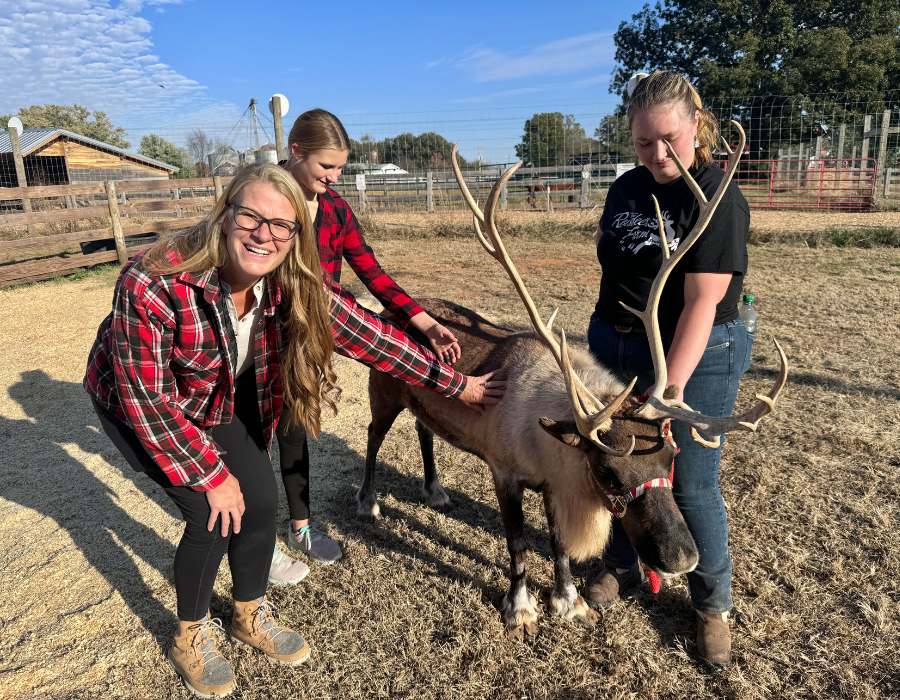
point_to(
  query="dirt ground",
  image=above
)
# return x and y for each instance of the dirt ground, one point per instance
(412, 611)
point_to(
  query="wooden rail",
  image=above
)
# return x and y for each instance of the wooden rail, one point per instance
(69, 227)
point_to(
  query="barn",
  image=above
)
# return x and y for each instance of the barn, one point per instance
(62, 157)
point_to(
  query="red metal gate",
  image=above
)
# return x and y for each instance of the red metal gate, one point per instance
(811, 183)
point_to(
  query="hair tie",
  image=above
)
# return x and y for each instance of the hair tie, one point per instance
(632, 83)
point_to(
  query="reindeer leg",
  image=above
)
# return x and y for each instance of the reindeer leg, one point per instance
(431, 487)
(520, 612)
(385, 407)
(564, 601)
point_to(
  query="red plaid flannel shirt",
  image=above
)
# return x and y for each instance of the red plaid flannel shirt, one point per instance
(163, 363)
(340, 237)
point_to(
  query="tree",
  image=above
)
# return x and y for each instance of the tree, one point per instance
(542, 139)
(409, 151)
(76, 118)
(614, 138)
(761, 47)
(795, 56)
(157, 147)
(550, 138)
(199, 146)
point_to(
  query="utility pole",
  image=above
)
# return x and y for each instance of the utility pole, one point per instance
(14, 127)
(278, 106)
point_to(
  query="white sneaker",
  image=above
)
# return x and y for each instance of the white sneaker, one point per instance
(286, 571)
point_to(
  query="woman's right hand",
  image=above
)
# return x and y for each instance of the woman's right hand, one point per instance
(227, 501)
(482, 390)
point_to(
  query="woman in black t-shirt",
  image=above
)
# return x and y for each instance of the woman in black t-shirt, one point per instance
(707, 345)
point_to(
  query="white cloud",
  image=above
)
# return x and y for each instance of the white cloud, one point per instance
(101, 56)
(561, 57)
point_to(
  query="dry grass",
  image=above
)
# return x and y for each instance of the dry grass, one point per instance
(412, 611)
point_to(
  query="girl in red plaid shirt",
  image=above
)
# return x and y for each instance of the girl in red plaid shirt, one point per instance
(319, 147)
(213, 337)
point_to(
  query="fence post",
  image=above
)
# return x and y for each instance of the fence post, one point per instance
(547, 191)
(585, 189)
(217, 184)
(504, 197)
(21, 179)
(888, 173)
(773, 174)
(882, 143)
(429, 190)
(842, 135)
(112, 202)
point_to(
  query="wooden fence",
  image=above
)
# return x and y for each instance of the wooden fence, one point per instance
(568, 186)
(70, 227)
(51, 231)
(891, 188)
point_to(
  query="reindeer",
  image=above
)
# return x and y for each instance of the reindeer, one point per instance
(566, 427)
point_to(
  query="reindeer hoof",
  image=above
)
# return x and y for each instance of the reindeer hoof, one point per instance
(573, 609)
(518, 633)
(368, 508)
(520, 615)
(436, 496)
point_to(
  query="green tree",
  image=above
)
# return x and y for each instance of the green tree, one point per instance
(156, 147)
(75, 118)
(614, 138)
(551, 138)
(814, 64)
(766, 47)
(409, 151)
(543, 139)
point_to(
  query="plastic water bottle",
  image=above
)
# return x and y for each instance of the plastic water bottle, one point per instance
(748, 313)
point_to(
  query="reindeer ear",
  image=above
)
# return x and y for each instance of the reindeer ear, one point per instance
(564, 431)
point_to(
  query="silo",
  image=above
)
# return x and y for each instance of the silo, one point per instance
(266, 154)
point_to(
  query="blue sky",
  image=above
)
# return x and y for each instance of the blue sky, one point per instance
(472, 71)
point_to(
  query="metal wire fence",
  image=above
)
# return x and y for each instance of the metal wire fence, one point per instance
(817, 151)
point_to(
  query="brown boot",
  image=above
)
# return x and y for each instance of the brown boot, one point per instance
(195, 658)
(608, 585)
(714, 639)
(254, 624)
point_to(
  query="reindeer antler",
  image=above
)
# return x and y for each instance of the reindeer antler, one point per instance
(591, 416)
(705, 429)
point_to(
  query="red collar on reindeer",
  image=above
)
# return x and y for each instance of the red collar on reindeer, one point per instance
(618, 502)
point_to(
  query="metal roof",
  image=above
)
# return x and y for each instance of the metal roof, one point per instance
(33, 139)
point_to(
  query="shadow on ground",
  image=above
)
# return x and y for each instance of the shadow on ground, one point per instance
(42, 476)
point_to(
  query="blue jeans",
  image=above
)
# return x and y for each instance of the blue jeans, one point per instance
(712, 389)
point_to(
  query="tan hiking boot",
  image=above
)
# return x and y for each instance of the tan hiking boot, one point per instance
(254, 624)
(608, 585)
(714, 639)
(195, 658)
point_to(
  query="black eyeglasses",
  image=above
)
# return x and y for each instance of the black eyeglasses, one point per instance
(248, 220)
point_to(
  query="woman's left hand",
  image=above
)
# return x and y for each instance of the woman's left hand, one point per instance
(444, 343)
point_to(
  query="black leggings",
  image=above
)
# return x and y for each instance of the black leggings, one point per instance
(199, 553)
(294, 459)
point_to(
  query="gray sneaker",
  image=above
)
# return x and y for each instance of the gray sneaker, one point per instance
(285, 570)
(314, 543)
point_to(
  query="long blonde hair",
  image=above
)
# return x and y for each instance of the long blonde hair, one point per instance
(316, 129)
(308, 378)
(664, 87)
